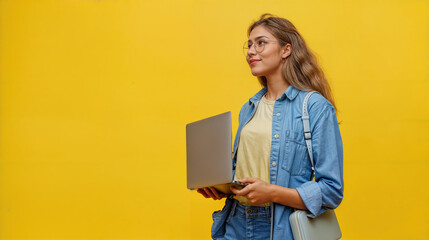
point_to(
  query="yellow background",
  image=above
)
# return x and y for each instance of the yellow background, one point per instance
(95, 96)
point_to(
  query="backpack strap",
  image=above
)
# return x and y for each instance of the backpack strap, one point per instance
(307, 131)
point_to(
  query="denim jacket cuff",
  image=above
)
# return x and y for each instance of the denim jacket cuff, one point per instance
(311, 195)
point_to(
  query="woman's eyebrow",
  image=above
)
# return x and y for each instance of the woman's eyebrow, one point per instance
(258, 37)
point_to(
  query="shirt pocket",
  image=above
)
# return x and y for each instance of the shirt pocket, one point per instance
(295, 157)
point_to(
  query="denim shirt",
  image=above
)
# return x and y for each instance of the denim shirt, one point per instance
(290, 164)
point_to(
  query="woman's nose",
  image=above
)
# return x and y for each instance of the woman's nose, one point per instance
(251, 51)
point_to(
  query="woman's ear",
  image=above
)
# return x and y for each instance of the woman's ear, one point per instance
(286, 50)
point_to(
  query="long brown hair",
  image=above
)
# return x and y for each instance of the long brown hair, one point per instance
(300, 69)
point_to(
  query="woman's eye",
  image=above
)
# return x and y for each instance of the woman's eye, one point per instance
(262, 42)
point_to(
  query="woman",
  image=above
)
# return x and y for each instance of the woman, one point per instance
(270, 153)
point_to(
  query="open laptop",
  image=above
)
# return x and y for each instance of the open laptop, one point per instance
(209, 153)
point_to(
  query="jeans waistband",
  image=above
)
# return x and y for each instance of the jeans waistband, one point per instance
(250, 211)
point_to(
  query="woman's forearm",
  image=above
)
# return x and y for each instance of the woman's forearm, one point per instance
(287, 196)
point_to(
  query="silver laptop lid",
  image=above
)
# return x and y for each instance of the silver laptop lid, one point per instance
(209, 151)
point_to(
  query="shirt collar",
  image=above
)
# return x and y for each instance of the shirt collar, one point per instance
(258, 95)
(291, 92)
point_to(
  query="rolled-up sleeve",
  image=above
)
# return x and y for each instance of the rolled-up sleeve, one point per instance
(326, 192)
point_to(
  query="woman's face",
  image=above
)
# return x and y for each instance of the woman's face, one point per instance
(268, 61)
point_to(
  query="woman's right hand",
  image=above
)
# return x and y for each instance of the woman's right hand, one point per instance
(211, 192)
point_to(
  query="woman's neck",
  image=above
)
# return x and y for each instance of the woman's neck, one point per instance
(276, 87)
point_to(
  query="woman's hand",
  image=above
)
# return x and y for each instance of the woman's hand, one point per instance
(211, 192)
(258, 191)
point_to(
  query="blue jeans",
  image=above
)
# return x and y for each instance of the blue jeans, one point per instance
(244, 222)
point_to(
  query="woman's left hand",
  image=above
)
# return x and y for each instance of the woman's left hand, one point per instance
(258, 191)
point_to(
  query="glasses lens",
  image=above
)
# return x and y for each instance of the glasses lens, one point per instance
(259, 45)
(245, 48)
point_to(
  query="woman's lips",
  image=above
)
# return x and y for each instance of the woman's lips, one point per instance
(254, 62)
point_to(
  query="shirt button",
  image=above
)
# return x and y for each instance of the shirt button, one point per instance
(249, 211)
(274, 164)
(276, 136)
(278, 114)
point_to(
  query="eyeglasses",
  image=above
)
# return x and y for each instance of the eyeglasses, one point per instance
(259, 45)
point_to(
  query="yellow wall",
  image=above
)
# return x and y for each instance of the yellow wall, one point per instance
(95, 95)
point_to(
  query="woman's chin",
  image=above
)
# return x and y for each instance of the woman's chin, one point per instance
(257, 74)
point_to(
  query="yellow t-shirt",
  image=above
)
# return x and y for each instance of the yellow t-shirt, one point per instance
(253, 153)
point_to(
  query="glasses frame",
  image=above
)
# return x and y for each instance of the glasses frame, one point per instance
(246, 48)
